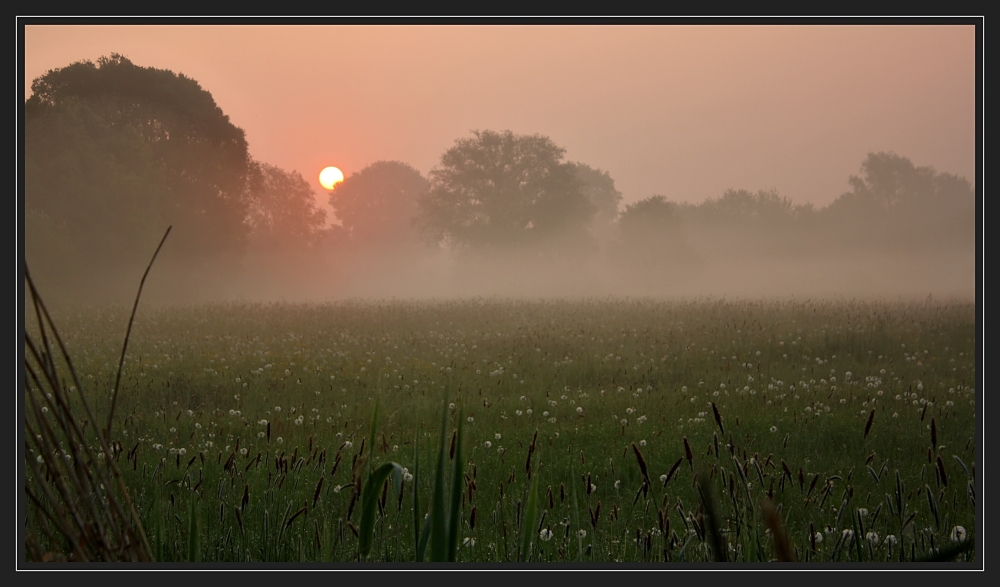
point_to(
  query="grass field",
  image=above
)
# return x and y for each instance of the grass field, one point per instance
(625, 431)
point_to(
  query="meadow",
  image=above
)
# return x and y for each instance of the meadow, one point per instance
(595, 430)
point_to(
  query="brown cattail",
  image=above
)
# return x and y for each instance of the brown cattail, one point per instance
(718, 418)
(336, 463)
(350, 505)
(472, 519)
(246, 496)
(642, 463)
(868, 425)
(786, 470)
(933, 434)
(595, 515)
(531, 451)
(940, 468)
(451, 451)
(687, 452)
(673, 470)
(319, 487)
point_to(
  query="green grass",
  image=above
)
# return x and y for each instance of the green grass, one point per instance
(213, 481)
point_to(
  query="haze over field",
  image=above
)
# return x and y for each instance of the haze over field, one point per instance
(569, 161)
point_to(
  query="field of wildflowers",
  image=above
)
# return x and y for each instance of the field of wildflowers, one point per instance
(602, 430)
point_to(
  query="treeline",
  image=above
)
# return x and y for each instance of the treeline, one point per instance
(115, 152)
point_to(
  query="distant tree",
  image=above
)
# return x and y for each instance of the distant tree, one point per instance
(283, 213)
(652, 239)
(890, 180)
(498, 190)
(898, 204)
(379, 204)
(743, 205)
(599, 189)
(653, 216)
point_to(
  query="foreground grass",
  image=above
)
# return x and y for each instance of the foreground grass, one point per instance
(243, 429)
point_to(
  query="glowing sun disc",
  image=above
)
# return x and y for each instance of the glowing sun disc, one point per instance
(330, 177)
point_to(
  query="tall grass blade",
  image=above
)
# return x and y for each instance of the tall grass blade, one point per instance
(576, 513)
(128, 331)
(528, 523)
(438, 520)
(369, 502)
(454, 515)
(194, 532)
(714, 522)
(416, 497)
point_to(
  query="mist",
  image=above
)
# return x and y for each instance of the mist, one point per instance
(116, 152)
(726, 274)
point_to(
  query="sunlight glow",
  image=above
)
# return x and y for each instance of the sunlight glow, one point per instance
(330, 176)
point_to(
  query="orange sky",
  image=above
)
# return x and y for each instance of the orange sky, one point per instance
(684, 111)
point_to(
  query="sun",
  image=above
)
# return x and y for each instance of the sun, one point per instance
(330, 177)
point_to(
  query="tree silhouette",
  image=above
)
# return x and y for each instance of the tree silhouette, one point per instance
(283, 213)
(500, 190)
(599, 189)
(115, 152)
(378, 205)
(897, 205)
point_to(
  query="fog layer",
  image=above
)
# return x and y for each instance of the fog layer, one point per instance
(115, 153)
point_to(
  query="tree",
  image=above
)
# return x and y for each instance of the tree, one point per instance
(653, 216)
(652, 244)
(497, 190)
(94, 196)
(115, 152)
(897, 204)
(599, 189)
(282, 209)
(764, 206)
(379, 204)
(890, 180)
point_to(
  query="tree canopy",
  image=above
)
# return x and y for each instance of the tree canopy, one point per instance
(282, 209)
(379, 204)
(115, 152)
(890, 180)
(499, 189)
(896, 204)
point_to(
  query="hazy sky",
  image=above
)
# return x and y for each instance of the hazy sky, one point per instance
(685, 111)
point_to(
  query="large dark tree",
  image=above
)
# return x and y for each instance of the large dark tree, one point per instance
(497, 190)
(114, 153)
(378, 205)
